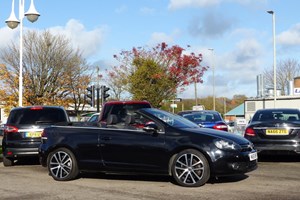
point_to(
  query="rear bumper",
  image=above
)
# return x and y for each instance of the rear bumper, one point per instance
(275, 145)
(20, 152)
(269, 148)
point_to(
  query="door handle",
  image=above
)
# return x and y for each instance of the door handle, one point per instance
(106, 138)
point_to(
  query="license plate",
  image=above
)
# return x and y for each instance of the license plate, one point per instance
(253, 156)
(277, 132)
(33, 134)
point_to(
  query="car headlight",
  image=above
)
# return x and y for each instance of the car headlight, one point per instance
(226, 144)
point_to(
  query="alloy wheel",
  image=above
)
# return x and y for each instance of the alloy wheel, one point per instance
(189, 169)
(60, 165)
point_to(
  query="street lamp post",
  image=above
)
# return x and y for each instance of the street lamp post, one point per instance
(12, 22)
(196, 96)
(213, 68)
(274, 55)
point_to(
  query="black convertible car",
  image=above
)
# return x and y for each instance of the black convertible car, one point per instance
(150, 141)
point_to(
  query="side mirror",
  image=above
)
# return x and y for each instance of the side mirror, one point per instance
(150, 128)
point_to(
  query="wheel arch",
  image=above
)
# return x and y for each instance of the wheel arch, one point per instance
(183, 148)
(58, 147)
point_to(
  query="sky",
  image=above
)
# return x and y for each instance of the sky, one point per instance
(234, 36)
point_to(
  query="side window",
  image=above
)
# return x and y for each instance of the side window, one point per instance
(135, 121)
(292, 118)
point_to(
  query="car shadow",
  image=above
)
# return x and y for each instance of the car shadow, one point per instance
(127, 177)
(157, 178)
(278, 158)
(228, 179)
(27, 161)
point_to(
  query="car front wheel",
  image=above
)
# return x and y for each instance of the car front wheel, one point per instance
(62, 165)
(190, 168)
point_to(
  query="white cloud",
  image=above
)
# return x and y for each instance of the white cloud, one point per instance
(8, 35)
(121, 9)
(87, 41)
(290, 37)
(178, 4)
(247, 52)
(234, 72)
(212, 25)
(147, 10)
(241, 66)
(160, 37)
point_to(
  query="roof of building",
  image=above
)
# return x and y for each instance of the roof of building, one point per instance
(237, 111)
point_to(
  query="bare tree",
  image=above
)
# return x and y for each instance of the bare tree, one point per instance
(286, 70)
(117, 82)
(52, 70)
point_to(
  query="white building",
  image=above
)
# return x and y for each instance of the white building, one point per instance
(251, 105)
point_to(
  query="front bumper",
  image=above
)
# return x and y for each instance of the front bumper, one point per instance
(231, 163)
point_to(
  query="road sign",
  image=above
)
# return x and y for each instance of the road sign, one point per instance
(173, 105)
(199, 107)
(178, 99)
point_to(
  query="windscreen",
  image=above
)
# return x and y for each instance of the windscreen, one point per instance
(171, 119)
(283, 115)
(202, 117)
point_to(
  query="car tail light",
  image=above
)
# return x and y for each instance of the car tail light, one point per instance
(10, 129)
(221, 126)
(250, 132)
(36, 108)
(44, 135)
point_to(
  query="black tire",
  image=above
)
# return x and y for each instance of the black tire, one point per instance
(190, 168)
(62, 165)
(7, 162)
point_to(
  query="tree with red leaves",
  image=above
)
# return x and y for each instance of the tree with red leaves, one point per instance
(156, 74)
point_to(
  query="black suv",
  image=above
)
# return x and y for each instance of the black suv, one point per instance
(22, 132)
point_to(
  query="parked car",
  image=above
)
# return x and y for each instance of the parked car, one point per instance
(91, 121)
(22, 131)
(166, 145)
(205, 118)
(1, 129)
(275, 130)
(231, 125)
(93, 118)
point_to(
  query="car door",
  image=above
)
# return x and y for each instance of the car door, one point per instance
(133, 150)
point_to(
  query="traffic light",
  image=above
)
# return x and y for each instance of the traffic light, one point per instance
(104, 94)
(91, 95)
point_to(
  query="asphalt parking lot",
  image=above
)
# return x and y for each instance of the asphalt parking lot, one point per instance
(275, 178)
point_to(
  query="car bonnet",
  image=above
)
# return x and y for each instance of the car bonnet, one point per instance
(219, 134)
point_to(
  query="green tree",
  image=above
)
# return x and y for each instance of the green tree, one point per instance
(147, 82)
(159, 71)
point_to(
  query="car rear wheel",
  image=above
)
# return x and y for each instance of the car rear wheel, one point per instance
(62, 165)
(190, 168)
(7, 162)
